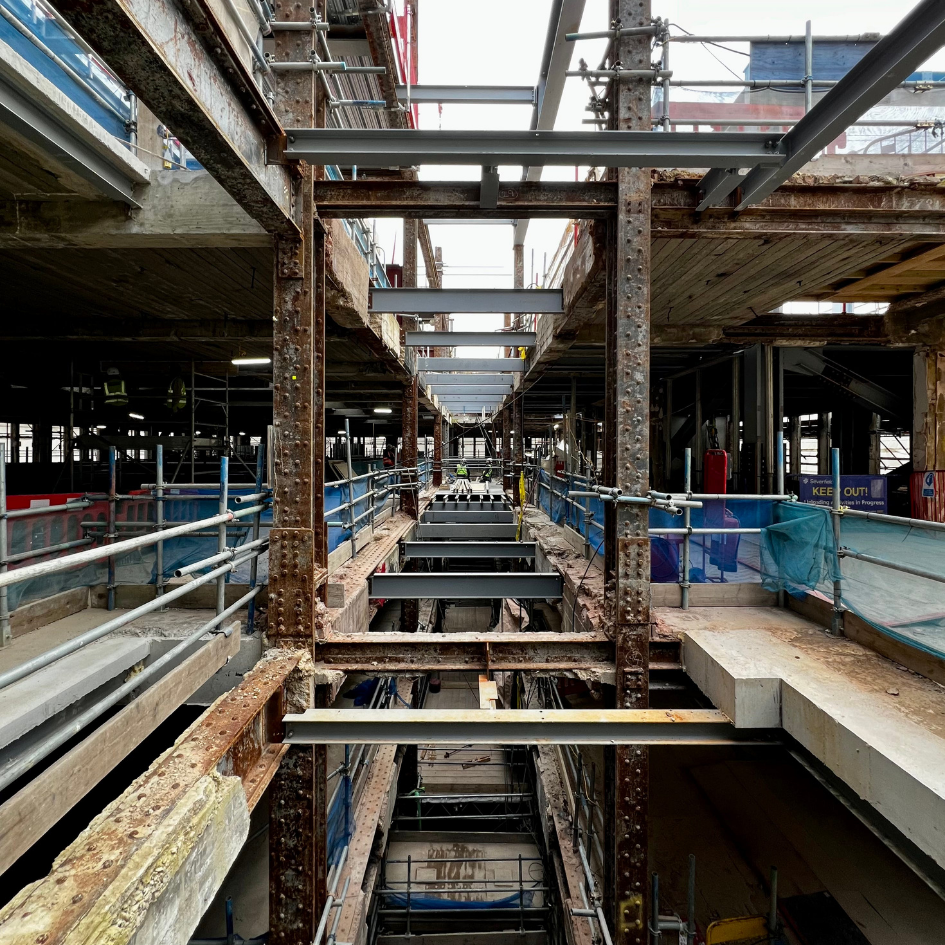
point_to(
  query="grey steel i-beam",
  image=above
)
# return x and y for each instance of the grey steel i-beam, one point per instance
(476, 517)
(454, 339)
(469, 549)
(518, 727)
(485, 365)
(467, 301)
(889, 62)
(468, 532)
(465, 586)
(398, 147)
(467, 94)
(467, 393)
(440, 380)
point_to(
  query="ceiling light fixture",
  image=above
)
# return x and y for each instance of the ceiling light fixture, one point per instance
(383, 410)
(136, 416)
(241, 361)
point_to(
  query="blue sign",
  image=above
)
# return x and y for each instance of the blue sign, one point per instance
(928, 485)
(867, 493)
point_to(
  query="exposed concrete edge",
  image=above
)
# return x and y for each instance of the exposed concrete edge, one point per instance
(165, 886)
(887, 759)
(33, 84)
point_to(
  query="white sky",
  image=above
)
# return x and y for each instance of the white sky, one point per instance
(499, 42)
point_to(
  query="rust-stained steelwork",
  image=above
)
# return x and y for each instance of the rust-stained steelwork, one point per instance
(437, 450)
(298, 822)
(388, 652)
(628, 399)
(176, 58)
(448, 200)
(410, 497)
(240, 735)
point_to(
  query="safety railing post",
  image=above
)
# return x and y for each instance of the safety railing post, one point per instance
(836, 621)
(687, 523)
(159, 522)
(221, 529)
(780, 490)
(112, 532)
(5, 634)
(521, 895)
(254, 565)
(409, 867)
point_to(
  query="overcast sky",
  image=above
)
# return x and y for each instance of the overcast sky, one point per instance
(499, 42)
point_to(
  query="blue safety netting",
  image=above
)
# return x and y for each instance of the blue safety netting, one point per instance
(132, 567)
(340, 821)
(800, 554)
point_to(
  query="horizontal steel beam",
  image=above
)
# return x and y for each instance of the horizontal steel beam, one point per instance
(469, 549)
(453, 339)
(514, 727)
(906, 47)
(450, 200)
(467, 94)
(386, 652)
(469, 516)
(443, 392)
(465, 586)
(441, 380)
(409, 147)
(476, 301)
(469, 532)
(486, 365)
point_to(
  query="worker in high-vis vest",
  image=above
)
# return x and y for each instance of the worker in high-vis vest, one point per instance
(461, 471)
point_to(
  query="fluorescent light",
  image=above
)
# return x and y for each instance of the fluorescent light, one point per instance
(251, 361)
(383, 410)
(102, 426)
(136, 416)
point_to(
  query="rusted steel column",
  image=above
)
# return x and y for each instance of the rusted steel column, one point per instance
(628, 383)
(298, 840)
(298, 553)
(507, 449)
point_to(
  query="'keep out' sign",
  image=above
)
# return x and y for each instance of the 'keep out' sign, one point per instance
(856, 492)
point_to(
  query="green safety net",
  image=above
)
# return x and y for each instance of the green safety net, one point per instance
(799, 554)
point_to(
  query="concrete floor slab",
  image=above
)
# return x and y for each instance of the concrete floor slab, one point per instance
(47, 692)
(879, 728)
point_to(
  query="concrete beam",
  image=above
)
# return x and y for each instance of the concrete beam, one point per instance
(888, 754)
(178, 209)
(179, 61)
(157, 855)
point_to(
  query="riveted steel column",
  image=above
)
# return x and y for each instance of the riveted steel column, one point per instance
(410, 498)
(628, 387)
(298, 553)
(507, 481)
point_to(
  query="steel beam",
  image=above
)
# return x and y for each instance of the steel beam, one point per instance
(178, 60)
(452, 339)
(446, 380)
(517, 727)
(24, 116)
(443, 391)
(466, 586)
(387, 652)
(431, 200)
(469, 532)
(469, 517)
(564, 17)
(898, 54)
(467, 94)
(479, 396)
(485, 365)
(409, 148)
(469, 549)
(411, 301)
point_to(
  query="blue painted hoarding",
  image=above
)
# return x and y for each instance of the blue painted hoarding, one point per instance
(867, 493)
